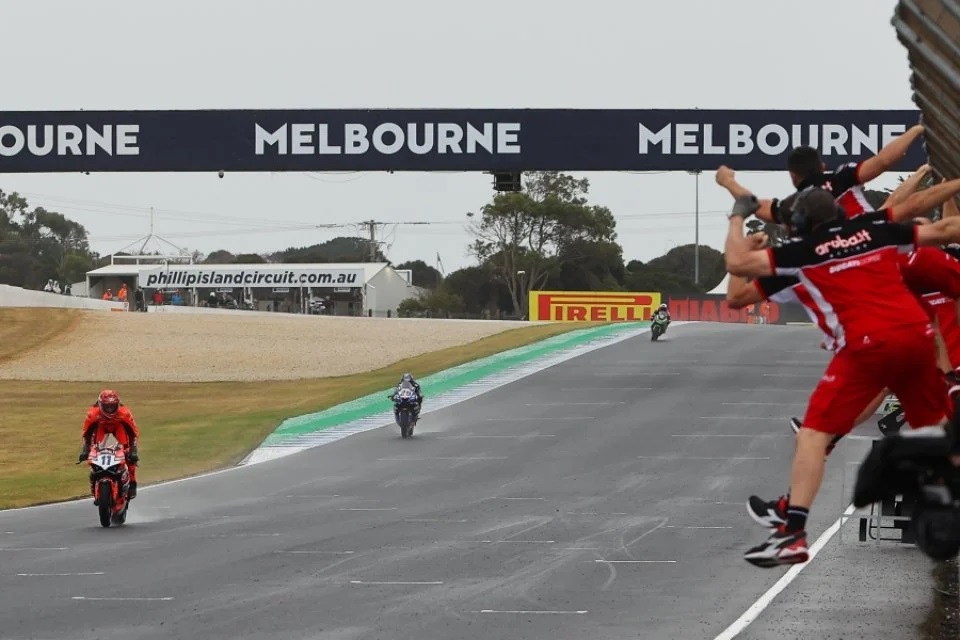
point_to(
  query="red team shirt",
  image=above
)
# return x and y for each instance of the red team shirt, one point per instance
(838, 271)
(931, 274)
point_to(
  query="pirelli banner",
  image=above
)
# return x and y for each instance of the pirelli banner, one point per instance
(197, 276)
(592, 306)
(596, 306)
(440, 139)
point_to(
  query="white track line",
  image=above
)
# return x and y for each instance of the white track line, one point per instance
(524, 612)
(40, 575)
(731, 435)
(637, 561)
(679, 458)
(744, 417)
(764, 601)
(765, 404)
(167, 599)
(391, 582)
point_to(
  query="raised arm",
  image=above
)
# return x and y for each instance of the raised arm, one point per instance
(741, 259)
(924, 201)
(908, 187)
(889, 155)
(726, 178)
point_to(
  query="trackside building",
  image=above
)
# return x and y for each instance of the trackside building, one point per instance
(362, 288)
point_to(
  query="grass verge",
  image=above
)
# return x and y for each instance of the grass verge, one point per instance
(188, 428)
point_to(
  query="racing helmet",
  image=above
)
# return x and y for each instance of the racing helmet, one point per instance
(109, 402)
(663, 306)
(406, 378)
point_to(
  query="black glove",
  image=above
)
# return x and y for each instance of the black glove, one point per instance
(83, 456)
(745, 206)
(132, 455)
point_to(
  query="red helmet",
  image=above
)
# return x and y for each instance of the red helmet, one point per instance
(109, 402)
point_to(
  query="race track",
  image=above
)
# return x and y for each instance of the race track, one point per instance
(606, 494)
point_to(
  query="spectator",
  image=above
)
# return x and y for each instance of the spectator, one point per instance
(49, 286)
(176, 299)
(108, 294)
(122, 294)
(138, 300)
(157, 297)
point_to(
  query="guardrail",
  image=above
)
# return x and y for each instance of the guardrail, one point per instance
(930, 31)
(17, 297)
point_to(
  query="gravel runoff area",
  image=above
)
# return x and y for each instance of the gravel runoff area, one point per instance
(241, 347)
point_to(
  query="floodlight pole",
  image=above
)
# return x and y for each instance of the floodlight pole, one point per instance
(696, 231)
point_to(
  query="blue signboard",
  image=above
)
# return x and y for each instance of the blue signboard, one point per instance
(439, 139)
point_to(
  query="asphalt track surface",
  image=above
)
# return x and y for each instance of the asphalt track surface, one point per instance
(601, 498)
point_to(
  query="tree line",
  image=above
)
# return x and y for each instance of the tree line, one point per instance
(546, 236)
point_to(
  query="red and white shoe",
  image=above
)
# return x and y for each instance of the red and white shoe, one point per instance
(779, 549)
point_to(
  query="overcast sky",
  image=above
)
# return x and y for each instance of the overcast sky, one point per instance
(179, 54)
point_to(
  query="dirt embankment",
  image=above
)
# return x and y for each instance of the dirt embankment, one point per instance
(58, 344)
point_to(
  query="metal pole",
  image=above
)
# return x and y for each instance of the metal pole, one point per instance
(696, 248)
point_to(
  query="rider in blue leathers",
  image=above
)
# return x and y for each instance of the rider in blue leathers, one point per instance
(407, 380)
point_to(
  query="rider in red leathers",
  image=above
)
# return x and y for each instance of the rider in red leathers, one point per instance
(108, 416)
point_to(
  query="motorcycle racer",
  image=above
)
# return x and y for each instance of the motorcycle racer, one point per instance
(408, 380)
(109, 416)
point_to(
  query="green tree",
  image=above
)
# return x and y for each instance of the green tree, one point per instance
(584, 265)
(38, 245)
(423, 274)
(522, 236)
(337, 250)
(478, 289)
(220, 256)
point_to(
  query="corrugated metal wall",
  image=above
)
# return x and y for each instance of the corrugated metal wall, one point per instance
(930, 30)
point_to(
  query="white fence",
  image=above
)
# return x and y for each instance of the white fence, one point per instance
(17, 297)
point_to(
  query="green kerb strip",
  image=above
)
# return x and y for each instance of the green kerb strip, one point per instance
(440, 382)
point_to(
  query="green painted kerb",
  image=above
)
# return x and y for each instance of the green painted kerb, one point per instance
(440, 382)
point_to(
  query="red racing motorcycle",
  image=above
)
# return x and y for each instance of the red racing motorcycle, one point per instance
(110, 479)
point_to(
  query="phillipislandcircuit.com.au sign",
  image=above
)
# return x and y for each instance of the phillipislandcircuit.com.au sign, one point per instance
(255, 276)
(440, 139)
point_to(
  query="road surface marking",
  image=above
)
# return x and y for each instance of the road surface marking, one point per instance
(699, 458)
(532, 435)
(318, 553)
(764, 601)
(524, 612)
(432, 520)
(744, 417)
(33, 548)
(167, 599)
(607, 389)
(367, 509)
(540, 419)
(637, 561)
(565, 404)
(731, 435)
(765, 404)
(443, 458)
(680, 526)
(390, 582)
(37, 575)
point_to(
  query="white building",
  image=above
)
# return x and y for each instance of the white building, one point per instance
(359, 288)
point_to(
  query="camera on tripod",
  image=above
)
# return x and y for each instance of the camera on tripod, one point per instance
(916, 464)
